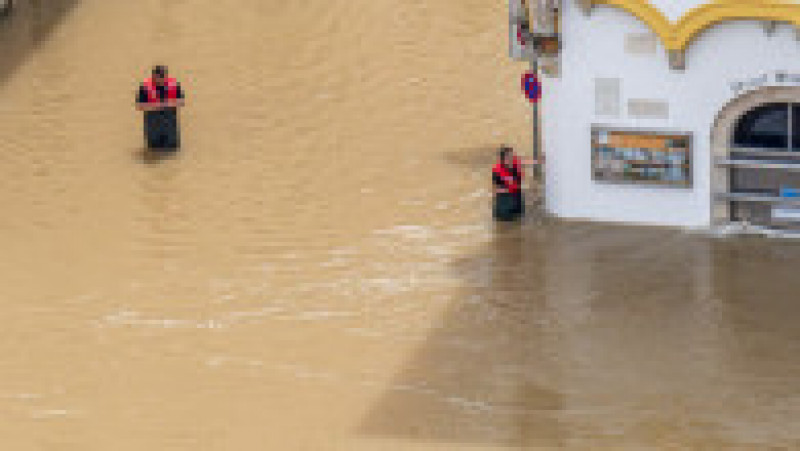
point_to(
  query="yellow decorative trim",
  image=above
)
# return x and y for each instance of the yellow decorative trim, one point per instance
(678, 35)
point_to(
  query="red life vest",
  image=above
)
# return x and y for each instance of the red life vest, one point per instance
(152, 92)
(507, 177)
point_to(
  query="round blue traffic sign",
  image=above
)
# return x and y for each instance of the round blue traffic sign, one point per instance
(531, 86)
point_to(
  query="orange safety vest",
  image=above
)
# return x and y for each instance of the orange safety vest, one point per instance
(518, 167)
(505, 175)
(152, 92)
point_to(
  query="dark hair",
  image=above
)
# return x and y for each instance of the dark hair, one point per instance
(160, 71)
(504, 151)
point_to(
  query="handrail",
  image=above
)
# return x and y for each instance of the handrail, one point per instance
(759, 164)
(755, 197)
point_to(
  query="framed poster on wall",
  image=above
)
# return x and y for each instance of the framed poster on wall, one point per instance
(644, 157)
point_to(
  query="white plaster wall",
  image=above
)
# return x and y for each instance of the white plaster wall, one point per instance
(674, 9)
(594, 47)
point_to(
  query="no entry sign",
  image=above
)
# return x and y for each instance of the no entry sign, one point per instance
(531, 86)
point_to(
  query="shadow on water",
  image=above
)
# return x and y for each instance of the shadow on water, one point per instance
(587, 334)
(476, 367)
(26, 28)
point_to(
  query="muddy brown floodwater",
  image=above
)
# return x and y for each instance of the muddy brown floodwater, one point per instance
(317, 269)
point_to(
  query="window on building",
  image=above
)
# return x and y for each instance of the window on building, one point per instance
(795, 115)
(766, 126)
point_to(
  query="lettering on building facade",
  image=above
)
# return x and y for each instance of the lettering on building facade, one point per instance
(779, 78)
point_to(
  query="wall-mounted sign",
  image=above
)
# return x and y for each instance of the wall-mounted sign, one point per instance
(642, 157)
(518, 24)
(532, 87)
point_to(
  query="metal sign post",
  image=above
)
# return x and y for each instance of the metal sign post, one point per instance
(533, 90)
(528, 47)
(537, 169)
(533, 53)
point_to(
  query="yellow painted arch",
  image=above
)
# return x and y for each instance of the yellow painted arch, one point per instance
(676, 36)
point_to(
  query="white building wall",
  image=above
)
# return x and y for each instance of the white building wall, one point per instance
(594, 47)
(674, 9)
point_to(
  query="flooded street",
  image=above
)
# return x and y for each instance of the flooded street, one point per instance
(317, 268)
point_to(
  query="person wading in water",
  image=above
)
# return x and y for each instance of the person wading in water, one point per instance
(509, 203)
(160, 97)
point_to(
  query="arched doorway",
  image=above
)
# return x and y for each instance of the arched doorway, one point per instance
(755, 149)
